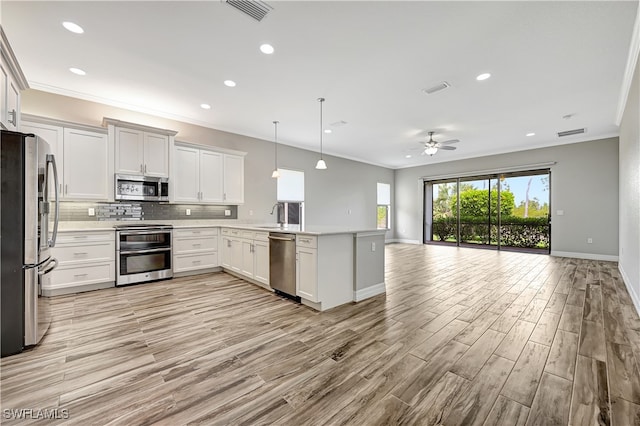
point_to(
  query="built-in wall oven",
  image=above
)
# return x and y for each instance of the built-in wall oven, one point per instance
(143, 253)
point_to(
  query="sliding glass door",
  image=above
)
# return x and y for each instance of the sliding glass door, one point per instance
(500, 211)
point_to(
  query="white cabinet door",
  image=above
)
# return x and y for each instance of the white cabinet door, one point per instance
(54, 136)
(246, 267)
(211, 187)
(307, 273)
(4, 83)
(13, 105)
(156, 155)
(129, 151)
(261, 261)
(236, 255)
(227, 252)
(186, 174)
(85, 165)
(233, 179)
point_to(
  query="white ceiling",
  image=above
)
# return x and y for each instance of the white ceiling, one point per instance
(369, 59)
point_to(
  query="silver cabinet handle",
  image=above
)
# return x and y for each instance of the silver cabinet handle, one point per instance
(195, 262)
(13, 117)
(224, 196)
(82, 253)
(141, 169)
(145, 169)
(80, 275)
(66, 188)
(196, 245)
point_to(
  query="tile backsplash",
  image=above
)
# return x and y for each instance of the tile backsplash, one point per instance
(70, 211)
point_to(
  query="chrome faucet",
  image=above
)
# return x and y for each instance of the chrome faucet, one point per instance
(273, 208)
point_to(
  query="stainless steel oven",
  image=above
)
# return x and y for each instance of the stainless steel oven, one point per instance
(143, 253)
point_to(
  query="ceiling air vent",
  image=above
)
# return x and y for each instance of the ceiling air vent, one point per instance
(438, 87)
(572, 132)
(254, 8)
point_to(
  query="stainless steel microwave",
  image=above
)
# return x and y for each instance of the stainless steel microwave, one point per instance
(141, 188)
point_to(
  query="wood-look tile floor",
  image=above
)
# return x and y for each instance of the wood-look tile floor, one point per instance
(462, 337)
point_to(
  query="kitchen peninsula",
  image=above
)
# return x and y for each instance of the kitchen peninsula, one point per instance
(334, 265)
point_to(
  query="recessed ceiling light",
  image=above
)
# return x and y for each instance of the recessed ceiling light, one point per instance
(531, 134)
(484, 76)
(230, 83)
(205, 106)
(328, 130)
(73, 27)
(77, 71)
(267, 49)
(407, 156)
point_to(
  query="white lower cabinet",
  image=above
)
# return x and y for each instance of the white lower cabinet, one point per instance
(246, 253)
(307, 268)
(86, 260)
(195, 249)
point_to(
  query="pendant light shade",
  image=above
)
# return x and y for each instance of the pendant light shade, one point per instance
(321, 165)
(276, 173)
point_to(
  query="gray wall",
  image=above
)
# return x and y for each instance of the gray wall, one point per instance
(344, 194)
(584, 183)
(630, 191)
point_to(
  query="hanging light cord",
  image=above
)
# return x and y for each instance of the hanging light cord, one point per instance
(275, 123)
(321, 100)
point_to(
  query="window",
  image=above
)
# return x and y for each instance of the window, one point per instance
(384, 206)
(290, 193)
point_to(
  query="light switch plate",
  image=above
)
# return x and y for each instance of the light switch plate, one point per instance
(188, 212)
(227, 212)
(560, 212)
(91, 211)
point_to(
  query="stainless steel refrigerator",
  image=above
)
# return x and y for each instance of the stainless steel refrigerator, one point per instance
(29, 210)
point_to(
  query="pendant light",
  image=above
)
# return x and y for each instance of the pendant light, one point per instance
(321, 165)
(276, 173)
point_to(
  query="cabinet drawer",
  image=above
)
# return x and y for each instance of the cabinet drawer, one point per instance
(84, 252)
(192, 244)
(80, 237)
(247, 234)
(261, 236)
(70, 276)
(194, 261)
(231, 231)
(307, 241)
(195, 232)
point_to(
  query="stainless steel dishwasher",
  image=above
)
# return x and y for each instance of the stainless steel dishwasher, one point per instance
(282, 263)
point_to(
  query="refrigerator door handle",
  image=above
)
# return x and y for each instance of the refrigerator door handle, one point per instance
(49, 266)
(51, 159)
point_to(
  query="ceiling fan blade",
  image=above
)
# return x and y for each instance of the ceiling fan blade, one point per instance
(449, 142)
(447, 148)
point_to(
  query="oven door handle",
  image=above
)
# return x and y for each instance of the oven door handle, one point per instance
(155, 250)
(151, 231)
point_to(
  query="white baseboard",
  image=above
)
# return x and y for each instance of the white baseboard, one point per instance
(635, 297)
(368, 292)
(588, 256)
(402, 240)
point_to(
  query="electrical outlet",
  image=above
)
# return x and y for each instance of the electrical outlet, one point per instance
(250, 212)
(589, 240)
(188, 212)
(373, 246)
(91, 211)
(560, 213)
(227, 212)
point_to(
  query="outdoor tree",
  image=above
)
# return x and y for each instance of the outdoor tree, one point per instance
(475, 202)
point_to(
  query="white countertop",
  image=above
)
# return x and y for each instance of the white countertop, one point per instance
(71, 226)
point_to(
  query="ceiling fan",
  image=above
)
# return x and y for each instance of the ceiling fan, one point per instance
(431, 146)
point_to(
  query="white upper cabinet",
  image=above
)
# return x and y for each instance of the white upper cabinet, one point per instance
(211, 179)
(233, 179)
(83, 158)
(86, 175)
(12, 81)
(186, 176)
(205, 176)
(140, 150)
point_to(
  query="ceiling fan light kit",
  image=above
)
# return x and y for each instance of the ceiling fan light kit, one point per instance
(431, 146)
